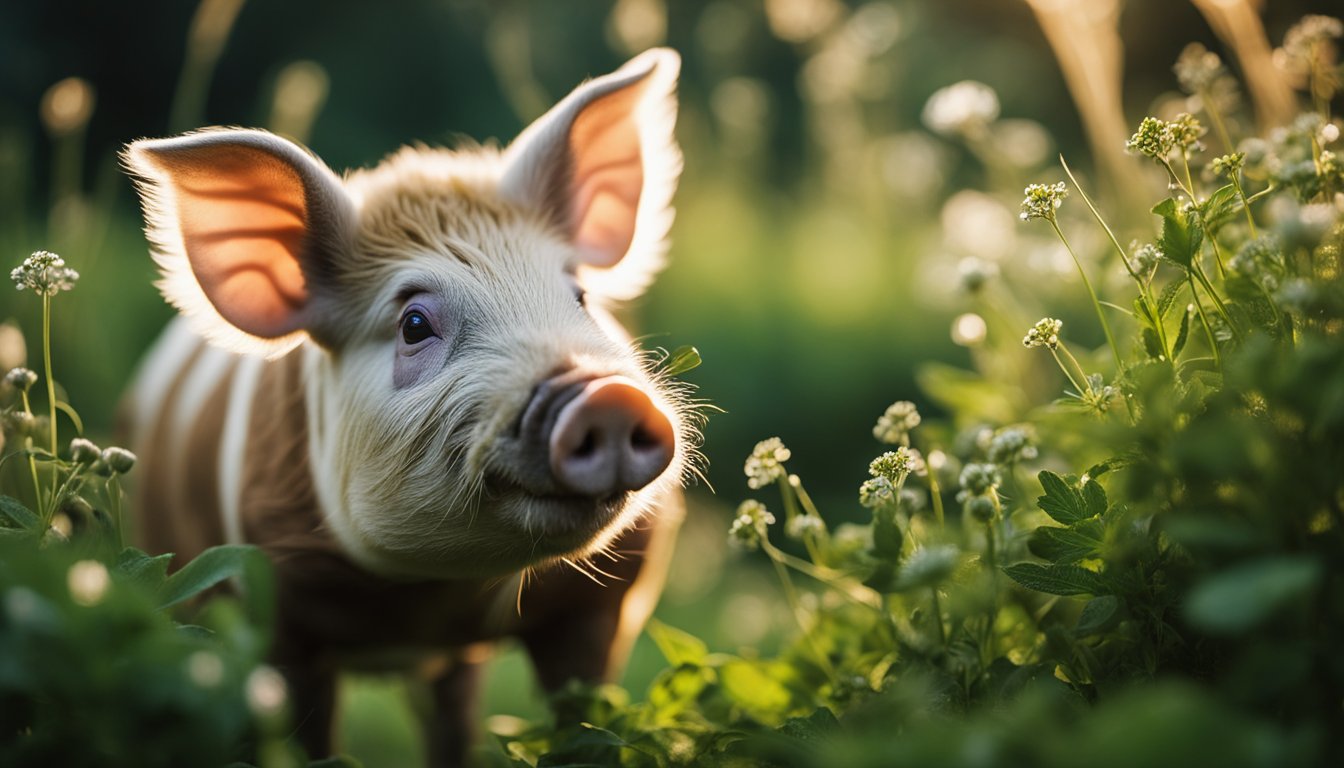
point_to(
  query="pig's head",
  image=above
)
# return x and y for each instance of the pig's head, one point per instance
(473, 408)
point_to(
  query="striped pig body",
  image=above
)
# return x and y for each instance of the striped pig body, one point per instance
(405, 386)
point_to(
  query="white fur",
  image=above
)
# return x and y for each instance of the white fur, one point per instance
(402, 474)
(233, 442)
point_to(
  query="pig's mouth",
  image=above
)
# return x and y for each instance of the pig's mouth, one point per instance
(563, 521)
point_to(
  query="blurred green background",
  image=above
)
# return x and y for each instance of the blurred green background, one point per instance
(820, 225)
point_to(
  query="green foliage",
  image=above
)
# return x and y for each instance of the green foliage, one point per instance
(94, 669)
(1172, 604)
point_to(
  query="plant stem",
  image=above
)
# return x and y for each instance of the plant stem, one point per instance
(1065, 369)
(51, 394)
(992, 558)
(792, 500)
(1217, 302)
(855, 592)
(1144, 290)
(936, 497)
(938, 617)
(32, 463)
(1245, 204)
(114, 501)
(1105, 326)
(796, 606)
(1204, 320)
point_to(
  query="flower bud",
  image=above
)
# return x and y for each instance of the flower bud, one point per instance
(21, 423)
(119, 460)
(83, 451)
(21, 379)
(980, 507)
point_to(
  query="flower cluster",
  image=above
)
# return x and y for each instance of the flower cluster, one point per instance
(1228, 165)
(1156, 139)
(1198, 69)
(1186, 131)
(1143, 257)
(979, 494)
(975, 272)
(1042, 200)
(1303, 42)
(21, 379)
(750, 523)
(804, 525)
(961, 108)
(44, 273)
(1258, 259)
(1045, 333)
(766, 462)
(894, 426)
(1098, 395)
(1153, 139)
(877, 492)
(897, 465)
(1011, 445)
(105, 462)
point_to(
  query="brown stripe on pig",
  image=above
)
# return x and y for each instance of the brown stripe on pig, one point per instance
(176, 503)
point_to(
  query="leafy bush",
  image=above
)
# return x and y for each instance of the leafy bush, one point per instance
(93, 669)
(1141, 571)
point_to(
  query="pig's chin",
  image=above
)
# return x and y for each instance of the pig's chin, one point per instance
(559, 524)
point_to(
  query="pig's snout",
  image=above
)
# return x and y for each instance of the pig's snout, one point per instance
(606, 438)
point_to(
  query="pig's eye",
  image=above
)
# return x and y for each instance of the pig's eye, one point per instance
(415, 327)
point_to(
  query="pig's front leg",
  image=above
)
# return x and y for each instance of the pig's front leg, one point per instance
(590, 627)
(575, 647)
(451, 726)
(312, 695)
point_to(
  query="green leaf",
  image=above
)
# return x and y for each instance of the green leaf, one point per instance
(1167, 299)
(1181, 237)
(22, 517)
(747, 684)
(1143, 313)
(1094, 498)
(1222, 204)
(818, 726)
(1063, 545)
(1057, 579)
(1115, 462)
(211, 567)
(1242, 597)
(1182, 335)
(1100, 614)
(138, 568)
(681, 360)
(1152, 345)
(887, 536)
(1061, 501)
(677, 646)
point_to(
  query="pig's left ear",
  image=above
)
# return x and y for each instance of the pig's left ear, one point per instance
(603, 164)
(246, 227)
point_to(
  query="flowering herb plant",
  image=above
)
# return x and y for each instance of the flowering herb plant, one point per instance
(1142, 565)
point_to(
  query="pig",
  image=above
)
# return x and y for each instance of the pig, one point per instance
(407, 387)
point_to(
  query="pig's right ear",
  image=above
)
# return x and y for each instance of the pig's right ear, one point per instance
(602, 165)
(244, 224)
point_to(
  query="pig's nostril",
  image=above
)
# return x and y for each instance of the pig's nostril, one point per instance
(610, 438)
(587, 447)
(642, 438)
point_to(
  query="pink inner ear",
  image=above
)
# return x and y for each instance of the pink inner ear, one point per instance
(608, 176)
(242, 213)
